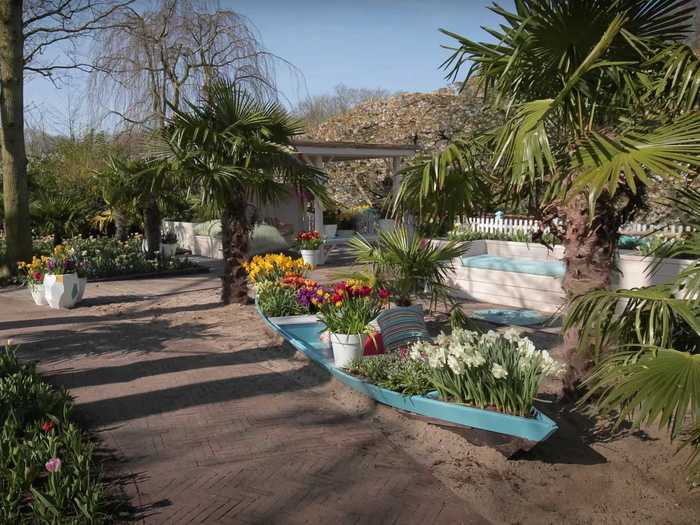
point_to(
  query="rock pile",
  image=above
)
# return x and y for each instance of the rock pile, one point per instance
(427, 120)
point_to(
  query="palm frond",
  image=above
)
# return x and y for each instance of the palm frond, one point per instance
(641, 316)
(659, 386)
(443, 186)
(632, 156)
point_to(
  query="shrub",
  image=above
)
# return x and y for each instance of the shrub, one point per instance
(48, 472)
(503, 372)
(394, 372)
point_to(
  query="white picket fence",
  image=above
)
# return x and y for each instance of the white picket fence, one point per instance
(505, 225)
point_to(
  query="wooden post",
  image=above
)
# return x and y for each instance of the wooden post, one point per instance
(318, 207)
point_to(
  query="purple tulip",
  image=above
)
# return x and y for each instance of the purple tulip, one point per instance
(53, 465)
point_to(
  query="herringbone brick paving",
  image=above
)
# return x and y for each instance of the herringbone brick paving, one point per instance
(210, 418)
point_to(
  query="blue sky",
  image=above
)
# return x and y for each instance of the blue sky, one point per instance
(393, 44)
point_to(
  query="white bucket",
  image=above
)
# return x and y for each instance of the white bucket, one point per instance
(312, 257)
(346, 347)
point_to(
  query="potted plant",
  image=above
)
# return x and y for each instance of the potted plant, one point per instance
(409, 264)
(33, 277)
(352, 306)
(61, 281)
(309, 244)
(168, 245)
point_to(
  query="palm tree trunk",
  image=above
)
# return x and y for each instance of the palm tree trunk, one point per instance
(121, 225)
(589, 250)
(151, 227)
(14, 161)
(234, 244)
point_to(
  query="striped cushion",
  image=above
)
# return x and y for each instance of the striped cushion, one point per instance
(401, 326)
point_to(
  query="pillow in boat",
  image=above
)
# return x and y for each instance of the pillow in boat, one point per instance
(401, 325)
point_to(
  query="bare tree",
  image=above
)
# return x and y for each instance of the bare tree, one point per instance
(150, 61)
(28, 29)
(314, 110)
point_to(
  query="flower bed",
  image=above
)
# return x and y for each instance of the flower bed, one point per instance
(109, 257)
(48, 471)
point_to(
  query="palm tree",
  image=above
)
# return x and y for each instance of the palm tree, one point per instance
(236, 150)
(117, 187)
(600, 98)
(652, 375)
(56, 213)
(408, 264)
(143, 183)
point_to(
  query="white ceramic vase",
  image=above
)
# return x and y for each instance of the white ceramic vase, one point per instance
(331, 230)
(61, 290)
(38, 294)
(312, 257)
(346, 347)
(168, 250)
(82, 284)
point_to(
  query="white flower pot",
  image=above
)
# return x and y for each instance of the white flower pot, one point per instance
(61, 290)
(82, 283)
(38, 293)
(331, 230)
(346, 347)
(313, 257)
(168, 250)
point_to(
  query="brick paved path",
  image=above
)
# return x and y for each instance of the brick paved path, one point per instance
(214, 421)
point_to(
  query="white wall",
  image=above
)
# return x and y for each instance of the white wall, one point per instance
(542, 292)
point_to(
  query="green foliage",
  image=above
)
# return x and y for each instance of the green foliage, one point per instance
(394, 372)
(408, 264)
(599, 98)
(28, 493)
(444, 186)
(276, 300)
(233, 148)
(652, 335)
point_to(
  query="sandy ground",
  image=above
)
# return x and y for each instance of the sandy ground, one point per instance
(585, 474)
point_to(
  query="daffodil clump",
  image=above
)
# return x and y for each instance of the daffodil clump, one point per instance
(495, 371)
(273, 267)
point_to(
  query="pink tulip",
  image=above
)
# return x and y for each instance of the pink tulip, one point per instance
(53, 465)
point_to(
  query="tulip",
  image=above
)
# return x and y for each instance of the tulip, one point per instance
(53, 465)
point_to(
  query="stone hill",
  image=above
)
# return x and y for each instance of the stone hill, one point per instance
(428, 120)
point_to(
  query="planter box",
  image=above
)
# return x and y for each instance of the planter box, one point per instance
(303, 332)
(543, 292)
(62, 291)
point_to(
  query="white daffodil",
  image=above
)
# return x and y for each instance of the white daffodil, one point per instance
(455, 364)
(498, 371)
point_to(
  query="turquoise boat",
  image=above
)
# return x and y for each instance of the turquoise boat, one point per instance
(303, 333)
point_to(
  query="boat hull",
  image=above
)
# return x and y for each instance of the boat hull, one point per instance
(303, 332)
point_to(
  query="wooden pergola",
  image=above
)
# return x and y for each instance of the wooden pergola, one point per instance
(318, 153)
